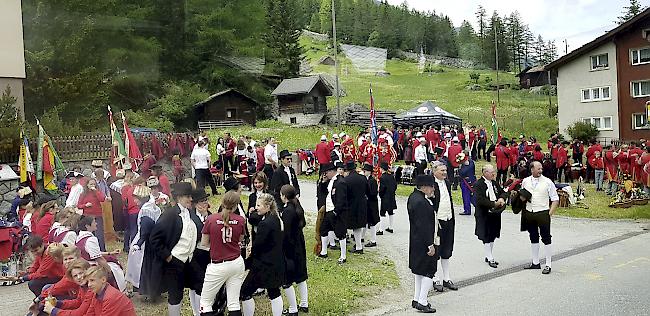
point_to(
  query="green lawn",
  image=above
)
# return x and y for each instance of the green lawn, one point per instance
(333, 289)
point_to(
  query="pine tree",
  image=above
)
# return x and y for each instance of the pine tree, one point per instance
(325, 14)
(467, 42)
(282, 38)
(314, 24)
(480, 16)
(630, 11)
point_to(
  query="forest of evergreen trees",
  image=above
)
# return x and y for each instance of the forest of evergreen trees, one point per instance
(156, 58)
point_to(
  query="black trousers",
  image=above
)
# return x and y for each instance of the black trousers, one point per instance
(36, 285)
(420, 168)
(446, 233)
(250, 285)
(202, 176)
(268, 171)
(335, 223)
(502, 176)
(481, 150)
(538, 224)
(175, 275)
(229, 164)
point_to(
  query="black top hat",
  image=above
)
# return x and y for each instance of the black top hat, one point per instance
(384, 166)
(327, 167)
(231, 184)
(350, 165)
(424, 180)
(284, 153)
(338, 164)
(199, 195)
(525, 194)
(181, 189)
(367, 167)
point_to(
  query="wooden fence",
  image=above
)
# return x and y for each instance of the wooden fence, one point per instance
(206, 125)
(362, 117)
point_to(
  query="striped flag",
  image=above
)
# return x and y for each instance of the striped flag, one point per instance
(495, 127)
(131, 147)
(118, 153)
(25, 162)
(373, 121)
(48, 160)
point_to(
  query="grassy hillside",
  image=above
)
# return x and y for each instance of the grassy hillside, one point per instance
(518, 112)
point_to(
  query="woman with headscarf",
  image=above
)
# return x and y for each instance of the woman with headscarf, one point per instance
(147, 217)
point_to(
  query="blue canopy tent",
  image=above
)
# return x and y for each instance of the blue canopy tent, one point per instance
(426, 114)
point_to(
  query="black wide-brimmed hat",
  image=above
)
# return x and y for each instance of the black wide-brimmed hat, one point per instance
(199, 195)
(338, 164)
(525, 195)
(231, 184)
(327, 167)
(368, 167)
(424, 180)
(349, 166)
(182, 189)
(284, 153)
(384, 166)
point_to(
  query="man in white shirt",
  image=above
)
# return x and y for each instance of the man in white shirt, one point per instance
(537, 215)
(201, 163)
(421, 156)
(75, 190)
(270, 158)
(444, 206)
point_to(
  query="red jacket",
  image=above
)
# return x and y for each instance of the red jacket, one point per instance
(164, 184)
(502, 154)
(538, 155)
(41, 226)
(45, 266)
(322, 153)
(230, 148)
(611, 164)
(77, 306)
(95, 198)
(260, 158)
(562, 157)
(454, 150)
(65, 287)
(623, 159)
(593, 149)
(514, 154)
(111, 302)
(597, 163)
(128, 200)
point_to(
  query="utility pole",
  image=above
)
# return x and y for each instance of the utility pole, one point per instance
(496, 53)
(566, 47)
(550, 103)
(336, 66)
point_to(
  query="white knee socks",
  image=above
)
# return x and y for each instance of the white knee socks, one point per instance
(535, 252)
(373, 234)
(291, 299)
(248, 307)
(342, 242)
(175, 310)
(488, 251)
(195, 302)
(382, 223)
(277, 305)
(444, 263)
(549, 253)
(357, 238)
(391, 219)
(304, 296)
(323, 243)
(332, 238)
(418, 286)
(427, 284)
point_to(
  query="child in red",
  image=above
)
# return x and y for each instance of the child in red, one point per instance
(80, 304)
(43, 219)
(598, 164)
(45, 269)
(90, 202)
(106, 301)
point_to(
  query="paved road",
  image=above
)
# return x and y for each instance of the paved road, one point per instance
(612, 279)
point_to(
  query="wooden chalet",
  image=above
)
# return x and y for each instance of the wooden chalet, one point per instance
(535, 77)
(228, 106)
(302, 100)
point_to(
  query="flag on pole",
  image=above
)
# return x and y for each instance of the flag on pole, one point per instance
(48, 160)
(118, 153)
(495, 127)
(131, 147)
(25, 162)
(373, 121)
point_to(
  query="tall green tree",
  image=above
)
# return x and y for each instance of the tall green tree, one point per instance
(630, 11)
(282, 39)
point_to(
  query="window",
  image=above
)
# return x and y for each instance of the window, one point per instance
(293, 120)
(595, 94)
(231, 113)
(641, 56)
(601, 123)
(599, 62)
(641, 88)
(639, 121)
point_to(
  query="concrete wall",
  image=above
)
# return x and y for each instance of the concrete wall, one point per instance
(12, 57)
(577, 75)
(302, 119)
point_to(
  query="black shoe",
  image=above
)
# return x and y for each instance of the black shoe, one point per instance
(303, 309)
(425, 309)
(371, 244)
(363, 240)
(450, 285)
(335, 247)
(357, 251)
(533, 266)
(547, 270)
(493, 264)
(488, 261)
(438, 287)
(390, 230)
(322, 256)
(379, 233)
(414, 304)
(341, 261)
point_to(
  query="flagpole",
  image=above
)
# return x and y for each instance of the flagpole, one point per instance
(336, 66)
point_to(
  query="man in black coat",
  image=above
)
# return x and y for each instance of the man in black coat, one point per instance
(444, 205)
(423, 240)
(357, 201)
(490, 201)
(336, 209)
(373, 205)
(172, 243)
(387, 189)
(285, 174)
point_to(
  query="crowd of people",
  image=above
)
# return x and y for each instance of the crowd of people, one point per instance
(171, 230)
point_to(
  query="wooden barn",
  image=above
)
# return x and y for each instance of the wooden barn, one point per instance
(302, 101)
(535, 77)
(228, 107)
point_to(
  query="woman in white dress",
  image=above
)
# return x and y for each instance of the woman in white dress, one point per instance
(149, 214)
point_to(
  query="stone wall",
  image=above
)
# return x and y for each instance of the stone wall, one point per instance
(302, 119)
(8, 193)
(441, 60)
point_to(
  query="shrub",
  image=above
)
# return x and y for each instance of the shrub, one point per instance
(582, 131)
(474, 76)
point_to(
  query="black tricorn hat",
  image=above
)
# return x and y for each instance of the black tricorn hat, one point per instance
(284, 153)
(350, 165)
(368, 167)
(525, 195)
(327, 167)
(199, 195)
(424, 180)
(338, 164)
(231, 184)
(182, 189)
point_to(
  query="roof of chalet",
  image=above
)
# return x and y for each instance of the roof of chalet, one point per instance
(529, 70)
(598, 41)
(300, 85)
(218, 94)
